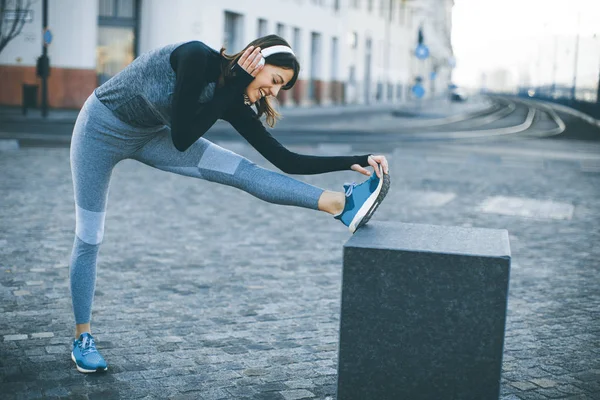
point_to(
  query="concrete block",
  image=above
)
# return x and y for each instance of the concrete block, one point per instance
(423, 312)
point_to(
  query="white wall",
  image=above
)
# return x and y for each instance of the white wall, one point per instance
(165, 22)
(391, 54)
(28, 45)
(74, 27)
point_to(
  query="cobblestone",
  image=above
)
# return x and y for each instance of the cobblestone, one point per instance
(206, 292)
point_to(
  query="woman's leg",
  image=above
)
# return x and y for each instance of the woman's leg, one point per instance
(332, 202)
(206, 160)
(93, 156)
(91, 175)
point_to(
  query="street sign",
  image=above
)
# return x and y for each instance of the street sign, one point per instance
(422, 52)
(47, 37)
(24, 15)
(433, 75)
(418, 91)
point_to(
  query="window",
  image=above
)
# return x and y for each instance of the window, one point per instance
(334, 59)
(281, 30)
(315, 67)
(297, 42)
(402, 14)
(117, 8)
(125, 8)
(106, 8)
(355, 4)
(117, 37)
(233, 32)
(263, 27)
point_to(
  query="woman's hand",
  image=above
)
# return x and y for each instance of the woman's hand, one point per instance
(374, 161)
(250, 59)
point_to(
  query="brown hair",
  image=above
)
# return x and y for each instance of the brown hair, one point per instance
(283, 60)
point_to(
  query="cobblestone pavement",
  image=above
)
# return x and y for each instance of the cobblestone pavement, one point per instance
(205, 292)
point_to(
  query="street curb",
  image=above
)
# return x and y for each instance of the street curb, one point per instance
(31, 140)
(333, 110)
(454, 118)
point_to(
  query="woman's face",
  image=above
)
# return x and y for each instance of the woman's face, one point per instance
(268, 82)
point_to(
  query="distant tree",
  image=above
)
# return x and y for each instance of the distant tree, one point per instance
(13, 15)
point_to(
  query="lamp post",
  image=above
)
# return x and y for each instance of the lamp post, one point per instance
(553, 89)
(43, 62)
(573, 88)
(598, 88)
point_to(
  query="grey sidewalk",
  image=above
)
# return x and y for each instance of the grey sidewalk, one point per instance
(204, 292)
(14, 114)
(17, 130)
(434, 107)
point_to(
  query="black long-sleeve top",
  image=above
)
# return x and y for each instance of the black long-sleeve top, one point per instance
(196, 65)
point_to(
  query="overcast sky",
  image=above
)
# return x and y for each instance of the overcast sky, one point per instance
(516, 34)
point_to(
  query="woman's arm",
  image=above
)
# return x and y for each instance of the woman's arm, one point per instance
(194, 63)
(246, 122)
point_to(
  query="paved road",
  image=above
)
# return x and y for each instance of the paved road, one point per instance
(204, 292)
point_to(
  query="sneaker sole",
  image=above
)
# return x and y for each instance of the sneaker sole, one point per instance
(86, 371)
(367, 210)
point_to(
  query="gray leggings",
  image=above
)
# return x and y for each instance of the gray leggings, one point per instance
(100, 140)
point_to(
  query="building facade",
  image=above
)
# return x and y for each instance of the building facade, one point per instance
(351, 51)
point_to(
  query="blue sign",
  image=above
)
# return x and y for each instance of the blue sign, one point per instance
(418, 91)
(47, 37)
(433, 75)
(422, 52)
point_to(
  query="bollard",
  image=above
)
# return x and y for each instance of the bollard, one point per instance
(423, 313)
(29, 97)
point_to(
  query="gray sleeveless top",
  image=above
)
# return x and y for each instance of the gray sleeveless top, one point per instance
(141, 94)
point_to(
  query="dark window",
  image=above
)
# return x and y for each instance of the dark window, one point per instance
(106, 8)
(117, 36)
(262, 27)
(126, 8)
(233, 32)
(281, 30)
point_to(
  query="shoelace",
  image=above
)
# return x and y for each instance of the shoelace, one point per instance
(87, 346)
(350, 188)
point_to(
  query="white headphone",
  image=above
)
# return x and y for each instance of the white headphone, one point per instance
(269, 51)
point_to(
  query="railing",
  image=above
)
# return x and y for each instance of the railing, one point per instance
(562, 95)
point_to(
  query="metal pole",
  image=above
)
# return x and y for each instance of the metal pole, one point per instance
(598, 88)
(45, 61)
(554, 67)
(387, 52)
(576, 59)
(598, 91)
(540, 83)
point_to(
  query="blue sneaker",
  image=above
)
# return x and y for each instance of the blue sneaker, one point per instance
(362, 200)
(86, 356)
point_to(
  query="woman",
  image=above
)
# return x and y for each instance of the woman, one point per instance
(156, 110)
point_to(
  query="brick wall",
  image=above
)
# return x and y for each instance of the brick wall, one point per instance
(67, 88)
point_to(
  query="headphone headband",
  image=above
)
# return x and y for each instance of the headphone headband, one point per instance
(269, 51)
